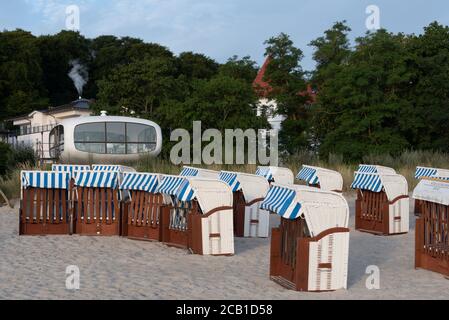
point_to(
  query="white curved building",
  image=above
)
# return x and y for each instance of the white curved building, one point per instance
(104, 139)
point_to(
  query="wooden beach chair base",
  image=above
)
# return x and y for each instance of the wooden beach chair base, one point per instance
(97, 212)
(98, 229)
(146, 233)
(44, 211)
(39, 229)
(141, 216)
(431, 238)
(372, 213)
(185, 239)
(418, 204)
(290, 255)
(239, 206)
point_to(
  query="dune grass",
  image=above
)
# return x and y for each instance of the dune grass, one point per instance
(405, 164)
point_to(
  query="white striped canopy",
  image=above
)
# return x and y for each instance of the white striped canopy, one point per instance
(281, 200)
(140, 181)
(265, 172)
(308, 174)
(170, 184)
(45, 179)
(367, 168)
(69, 167)
(97, 179)
(189, 172)
(320, 209)
(367, 181)
(421, 172)
(111, 167)
(185, 191)
(231, 179)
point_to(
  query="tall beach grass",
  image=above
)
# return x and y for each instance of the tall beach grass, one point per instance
(405, 164)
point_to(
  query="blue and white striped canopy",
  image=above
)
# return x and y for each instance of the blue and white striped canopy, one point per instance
(265, 172)
(308, 174)
(281, 200)
(231, 179)
(367, 181)
(425, 172)
(107, 167)
(73, 169)
(140, 181)
(45, 179)
(170, 185)
(367, 168)
(97, 179)
(185, 192)
(69, 167)
(189, 172)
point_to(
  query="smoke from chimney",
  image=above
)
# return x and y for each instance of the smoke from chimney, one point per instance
(79, 75)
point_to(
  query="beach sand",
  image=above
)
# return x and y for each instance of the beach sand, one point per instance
(33, 267)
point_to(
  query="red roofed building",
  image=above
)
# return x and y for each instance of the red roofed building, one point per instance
(262, 89)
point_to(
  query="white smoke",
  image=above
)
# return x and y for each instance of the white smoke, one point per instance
(79, 75)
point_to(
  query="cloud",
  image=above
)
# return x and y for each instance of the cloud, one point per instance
(51, 11)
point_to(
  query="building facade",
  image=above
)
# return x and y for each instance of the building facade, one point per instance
(34, 128)
(269, 106)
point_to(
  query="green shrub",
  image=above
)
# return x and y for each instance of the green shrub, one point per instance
(5, 157)
(23, 155)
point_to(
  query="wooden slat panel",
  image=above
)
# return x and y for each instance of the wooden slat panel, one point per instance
(92, 215)
(64, 206)
(57, 206)
(136, 199)
(146, 207)
(99, 205)
(116, 204)
(25, 205)
(38, 204)
(131, 207)
(107, 205)
(51, 201)
(45, 204)
(86, 217)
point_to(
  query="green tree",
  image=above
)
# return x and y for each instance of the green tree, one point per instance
(427, 115)
(195, 65)
(331, 51)
(141, 86)
(222, 102)
(109, 53)
(365, 98)
(243, 68)
(331, 54)
(21, 86)
(57, 51)
(286, 79)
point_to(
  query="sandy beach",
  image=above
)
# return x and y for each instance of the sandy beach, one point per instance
(117, 268)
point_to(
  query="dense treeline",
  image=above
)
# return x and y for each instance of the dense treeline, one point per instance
(384, 94)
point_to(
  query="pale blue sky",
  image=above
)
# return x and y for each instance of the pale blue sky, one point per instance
(220, 28)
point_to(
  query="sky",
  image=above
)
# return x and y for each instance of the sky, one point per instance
(220, 28)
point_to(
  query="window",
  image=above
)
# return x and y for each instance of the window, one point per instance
(90, 132)
(90, 147)
(56, 141)
(139, 133)
(115, 131)
(115, 138)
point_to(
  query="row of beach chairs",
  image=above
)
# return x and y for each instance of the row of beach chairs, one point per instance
(203, 210)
